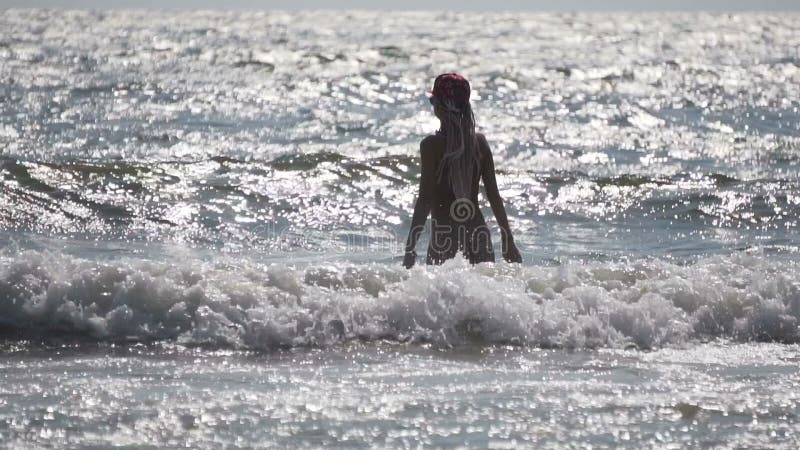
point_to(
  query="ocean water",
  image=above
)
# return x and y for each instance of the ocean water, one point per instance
(202, 217)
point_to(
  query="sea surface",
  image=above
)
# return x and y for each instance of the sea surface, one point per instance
(202, 217)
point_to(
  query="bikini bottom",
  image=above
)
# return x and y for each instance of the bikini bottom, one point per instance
(472, 239)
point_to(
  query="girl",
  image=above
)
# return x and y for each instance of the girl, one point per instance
(453, 162)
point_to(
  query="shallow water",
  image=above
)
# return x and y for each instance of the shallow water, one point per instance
(387, 395)
(208, 208)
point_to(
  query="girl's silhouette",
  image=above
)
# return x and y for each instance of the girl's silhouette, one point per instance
(453, 161)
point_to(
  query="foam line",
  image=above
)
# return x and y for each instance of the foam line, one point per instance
(644, 303)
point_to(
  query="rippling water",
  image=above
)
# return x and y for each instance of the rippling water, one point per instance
(233, 188)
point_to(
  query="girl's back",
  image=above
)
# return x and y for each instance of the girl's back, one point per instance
(443, 197)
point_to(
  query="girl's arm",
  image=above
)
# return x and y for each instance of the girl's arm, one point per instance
(510, 252)
(423, 206)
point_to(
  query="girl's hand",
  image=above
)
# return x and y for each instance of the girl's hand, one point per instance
(409, 259)
(510, 252)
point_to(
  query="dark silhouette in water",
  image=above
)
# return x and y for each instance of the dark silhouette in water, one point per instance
(454, 160)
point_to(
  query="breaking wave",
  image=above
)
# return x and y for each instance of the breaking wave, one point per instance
(251, 305)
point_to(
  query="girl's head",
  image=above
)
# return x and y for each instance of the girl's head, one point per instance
(461, 160)
(450, 94)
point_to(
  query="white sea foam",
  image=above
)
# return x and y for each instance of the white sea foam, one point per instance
(644, 303)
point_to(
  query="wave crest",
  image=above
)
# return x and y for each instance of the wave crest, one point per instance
(248, 305)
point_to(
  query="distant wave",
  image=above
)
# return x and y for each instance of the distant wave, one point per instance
(195, 201)
(246, 305)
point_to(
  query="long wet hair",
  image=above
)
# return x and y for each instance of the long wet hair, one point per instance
(461, 159)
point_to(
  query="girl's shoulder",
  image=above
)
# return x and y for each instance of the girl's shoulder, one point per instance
(432, 141)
